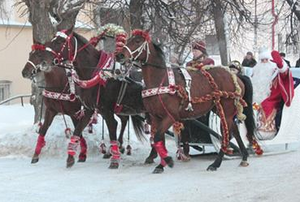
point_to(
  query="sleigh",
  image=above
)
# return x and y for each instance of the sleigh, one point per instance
(204, 133)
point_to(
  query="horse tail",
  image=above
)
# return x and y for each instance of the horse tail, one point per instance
(248, 111)
(138, 126)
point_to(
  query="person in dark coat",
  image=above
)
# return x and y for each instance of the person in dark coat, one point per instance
(249, 60)
(283, 57)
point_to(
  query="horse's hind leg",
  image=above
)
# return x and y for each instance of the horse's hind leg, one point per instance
(152, 156)
(229, 120)
(76, 138)
(242, 147)
(124, 121)
(49, 115)
(217, 163)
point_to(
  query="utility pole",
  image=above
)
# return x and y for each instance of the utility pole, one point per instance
(255, 30)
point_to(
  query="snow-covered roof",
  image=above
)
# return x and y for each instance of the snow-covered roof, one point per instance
(78, 24)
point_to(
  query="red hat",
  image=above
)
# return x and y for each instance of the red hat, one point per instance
(199, 45)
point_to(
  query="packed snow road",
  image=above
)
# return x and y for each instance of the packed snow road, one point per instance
(268, 178)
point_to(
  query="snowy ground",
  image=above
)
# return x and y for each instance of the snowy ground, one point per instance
(268, 178)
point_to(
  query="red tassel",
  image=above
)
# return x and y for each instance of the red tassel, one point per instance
(118, 108)
(102, 148)
(68, 132)
(90, 126)
(128, 150)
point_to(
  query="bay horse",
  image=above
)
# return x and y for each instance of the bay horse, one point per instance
(168, 103)
(68, 48)
(57, 82)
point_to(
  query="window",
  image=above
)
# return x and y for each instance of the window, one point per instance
(4, 89)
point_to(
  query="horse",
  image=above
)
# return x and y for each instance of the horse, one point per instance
(168, 102)
(100, 97)
(55, 81)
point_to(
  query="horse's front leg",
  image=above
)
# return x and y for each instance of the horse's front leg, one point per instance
(49, 115)
(76, 139)
(159, 128)
(83, 145)
(124, 121)
(114, 150)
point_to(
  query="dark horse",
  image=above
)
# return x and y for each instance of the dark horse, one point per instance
(75, 50)
(57, 82)
(212, 89)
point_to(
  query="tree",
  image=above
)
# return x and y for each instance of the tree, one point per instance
(64, 12)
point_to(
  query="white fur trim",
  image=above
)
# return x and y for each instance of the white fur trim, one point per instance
(265, 55)
(284, 68)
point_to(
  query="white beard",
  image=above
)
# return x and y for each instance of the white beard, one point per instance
(262, 77)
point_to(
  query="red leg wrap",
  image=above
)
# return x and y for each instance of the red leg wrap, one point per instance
(83, 146)
(115, 151)
(40, 144)
(161, 149)
(162, 162)
(73, 145)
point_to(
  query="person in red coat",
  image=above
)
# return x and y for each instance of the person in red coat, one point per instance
(272, 83)
(200, 57)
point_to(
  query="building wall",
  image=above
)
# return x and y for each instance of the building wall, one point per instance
(15, 45)
(14, 49)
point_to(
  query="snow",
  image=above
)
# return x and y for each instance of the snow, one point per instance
(268, 178)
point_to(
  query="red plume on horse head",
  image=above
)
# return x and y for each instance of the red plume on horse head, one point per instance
(38, 47)
(144, 34)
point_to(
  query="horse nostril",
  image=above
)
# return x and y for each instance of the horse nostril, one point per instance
(24, 74)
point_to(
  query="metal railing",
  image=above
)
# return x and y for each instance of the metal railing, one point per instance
(22, 96)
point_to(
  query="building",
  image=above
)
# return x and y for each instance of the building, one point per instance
(15, 45)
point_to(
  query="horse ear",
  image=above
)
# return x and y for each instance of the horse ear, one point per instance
(148, 30)
(157, 41)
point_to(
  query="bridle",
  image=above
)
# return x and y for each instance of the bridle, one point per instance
(143, 47)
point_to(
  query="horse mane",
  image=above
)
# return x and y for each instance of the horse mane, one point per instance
(144, 34)
(80, 38)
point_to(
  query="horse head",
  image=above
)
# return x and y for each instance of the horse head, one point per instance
(137, 48)
(35, 63)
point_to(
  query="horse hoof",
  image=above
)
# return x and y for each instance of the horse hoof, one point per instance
(149, 160)
(113, 165)
(122, 149)
(244, 164)
(107, 156)
(184, 158)
(169, 161)
(82, 158)
(70, 161)
(211, 168)
(34, 160)
(159, 169)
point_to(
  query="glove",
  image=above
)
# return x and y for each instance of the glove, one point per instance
(277, 59)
